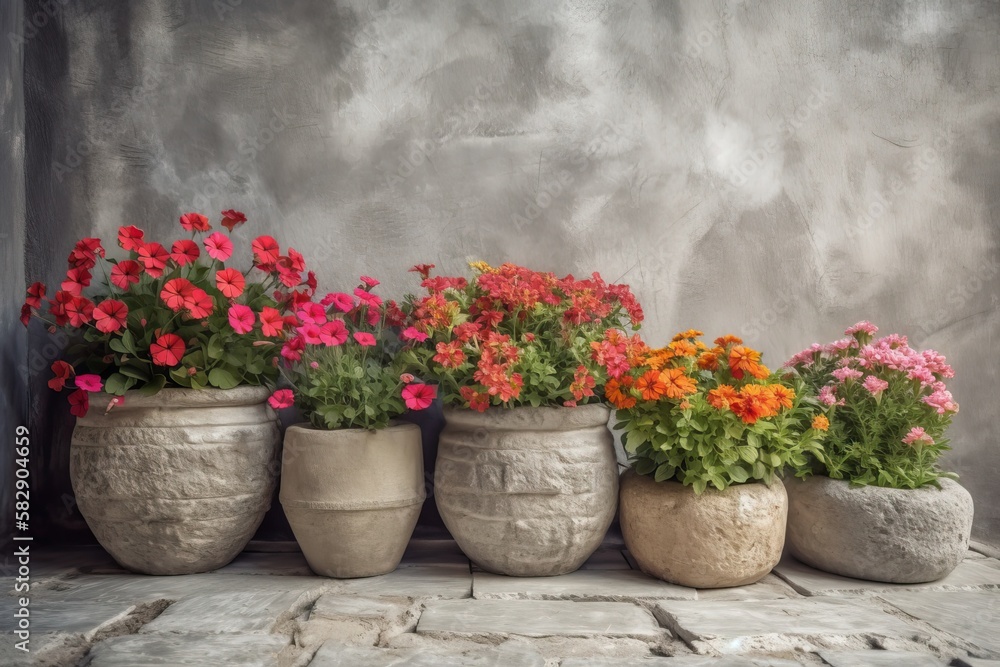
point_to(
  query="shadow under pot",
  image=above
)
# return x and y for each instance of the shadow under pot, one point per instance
(352, 496)
(527, 491)
(900, 536)
(178, 482)
(717, 539)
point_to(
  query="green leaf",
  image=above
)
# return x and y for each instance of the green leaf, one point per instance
(128, 340)
(644, 466)
(118, 346)
(738, 474)
(664, 472)
(116, 384)
(154, 385)
(133, 372)
(214, 348)
(747, 453)
(222, 378)
(753, 440)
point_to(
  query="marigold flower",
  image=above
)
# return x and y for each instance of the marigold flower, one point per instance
(722, 396)
(241, 318)
(783, 395)
(744, 360)
(195, 222)
(723, 341)
(708, 361)
(677, 383)
(124, 273)
(650, 386)
(110, 315)
(820, 423)
(232, 219)
(419, 396)
(619, 392)
(683, 348)
(689, 334)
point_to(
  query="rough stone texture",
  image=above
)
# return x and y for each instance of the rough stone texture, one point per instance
(171, 650)
(975, 662)
(419, 581)
(778, 625)
(715, 540)
(809, 581)
(178, 482)
(352, 496)
(269, 563)
(771, 587)
(869, 532)
(238, 611)
(334, 655)
(536, 618)
(880, 659)
(134, 587)
(681, 661)
(527, 491)
(83, 618)
(335, 607)
(971, 615)
(579, 585)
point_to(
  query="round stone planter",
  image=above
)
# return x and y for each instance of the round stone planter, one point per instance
(352, 496)
(178, 482)
(900, 536)
(715, 540)
(527, 491)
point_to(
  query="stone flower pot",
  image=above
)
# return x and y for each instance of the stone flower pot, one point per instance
(900, 536)
(178, 482)
(352, 496)
(715, 540)
(527, 491)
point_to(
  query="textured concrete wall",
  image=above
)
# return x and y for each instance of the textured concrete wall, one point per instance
(781, 168)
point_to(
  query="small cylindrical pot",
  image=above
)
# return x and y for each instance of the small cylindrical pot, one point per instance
(713, 540)
(527, 491)
(901, 536)
(178, 482)
(352, 496)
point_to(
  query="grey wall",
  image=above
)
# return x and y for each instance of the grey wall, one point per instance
(780, 168)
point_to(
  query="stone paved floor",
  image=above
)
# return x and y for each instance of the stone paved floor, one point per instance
(437, 610)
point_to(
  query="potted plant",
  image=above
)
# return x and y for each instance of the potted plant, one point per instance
(175, 472)
(526, 474)
(877, 506)
(708, 429)
(352, 478)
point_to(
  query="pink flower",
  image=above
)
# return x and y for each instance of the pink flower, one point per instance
(311, 334)
(406, 378)
(368, 280)
(412, 333)
(313, 364)
(844, 374)
(343, 302)
(864, 326)
(195, 222)
(875, 385)
(89, 382)
(292, 350)
(919, 436)
(367, 298)
(241, 318)
(942, 401)
(826, 395)
(282, 398)
(364, 338)
(419, 396)
(218, 246)
(312, 313)
(333, 333)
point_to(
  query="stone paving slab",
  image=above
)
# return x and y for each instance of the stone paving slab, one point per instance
(280, 563)
(84, 618)
(170, 650)
(336, 655)
(971, 615)
(336, 607)
(770, 587)
(138, 587)
(418, 581)
(772, 626)
(970, 574)
(975, 662)
(537, 618)
(681, 661)
(881, 659)
(235, 611)
(612, 585)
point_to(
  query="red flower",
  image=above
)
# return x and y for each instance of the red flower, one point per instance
(364, 338)
(368, 280)
(85, 253)
(109, 315)
(287, 273)
(412, 333)
(184, 252)
(219, 247)
(282, 398)
(89, 382)
(130, 238)
(167, 350)
(419, 396)
(241, 318)
(57, 307)
(125, 272)
(265, 251)
(176, 293)
(25, 314)
(449, 355)
(423, 269)
(271, 322)
(79, 402)
(477, 400)
(312, 313)
(333, 333)
(230, 282)
(62, 371)
(367, 298)
(199, 304)
(154, 258)
(296, 260)
(292, 350)
(343, 302)
(232, 219)
(195, 222)
(80, 311)
(35, 295)
(76, 280)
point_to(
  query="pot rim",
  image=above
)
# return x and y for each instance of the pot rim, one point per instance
(552, 417)
(182, 397)
(394, 425)
(947, 484)
(749, 484)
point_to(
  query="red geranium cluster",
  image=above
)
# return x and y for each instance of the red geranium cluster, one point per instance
(177, 317)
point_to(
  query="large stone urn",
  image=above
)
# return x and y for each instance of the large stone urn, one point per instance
(713, 540)
(178, 482)
(352, 496)
(901, 536)
(527, 491)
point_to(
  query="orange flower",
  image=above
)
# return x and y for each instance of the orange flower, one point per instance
(658, 358)
(677, 383)
(743, 360)
(764, 397)
(722, 396)
(723, 341)
(651, 386)
(690, 333)
(820, 423)
(783, 395)
(708, 361)
(619, 392)
(683, 348)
